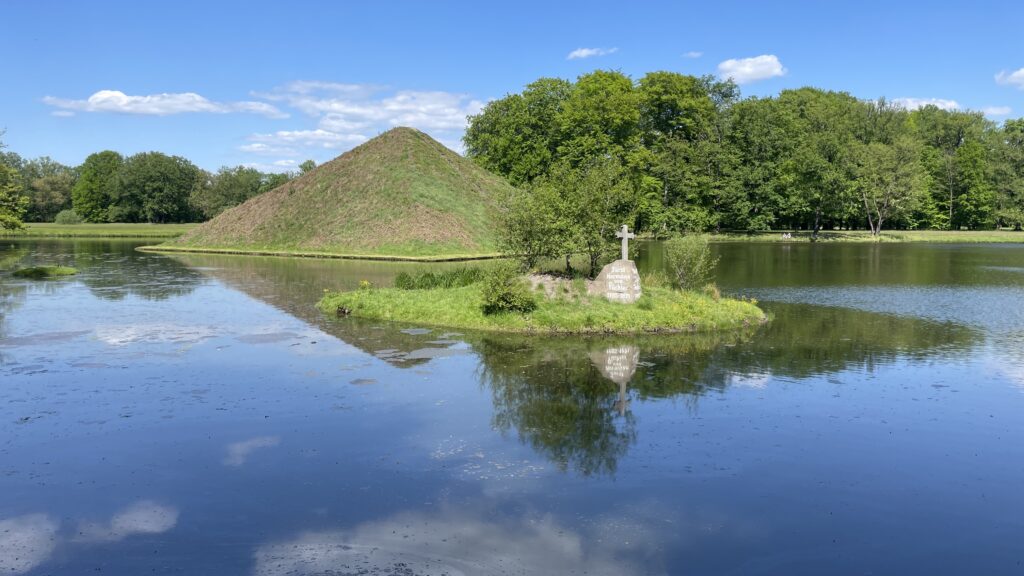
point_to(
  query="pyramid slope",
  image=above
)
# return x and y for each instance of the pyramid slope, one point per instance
(399, 194)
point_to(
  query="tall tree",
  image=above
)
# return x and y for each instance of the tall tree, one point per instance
(518, 136)
(1008, 173)
(600, 119)
(890, 180)
(944, 132)
(12, 203)
(154, 187)
(93, 192)
(48, 186)
(819, 173)
(227, 188)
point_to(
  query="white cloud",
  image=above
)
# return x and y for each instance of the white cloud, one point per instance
(26, 542)
(160, 104)
(746, 70)
(692, 54)
(238, 452)
(915, 103)
(346, 114)
(264, 149)
(997, 110)
(318, 138)
(581, 53)
(143, 517)
(1015, 78)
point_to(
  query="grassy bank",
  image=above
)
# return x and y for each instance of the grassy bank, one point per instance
(659, 310)
(934, 236)
(317, 254)
(47, 230)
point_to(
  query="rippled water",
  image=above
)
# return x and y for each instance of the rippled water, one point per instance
(197, 415)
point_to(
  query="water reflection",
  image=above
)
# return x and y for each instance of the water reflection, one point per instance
(238, 452)
(26, 542)
(111, 269)
(456, 541)
(143, 517)
(30, 540)
(569, 399)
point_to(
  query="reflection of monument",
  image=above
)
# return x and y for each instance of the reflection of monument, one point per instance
(618, 364)
(619, 281)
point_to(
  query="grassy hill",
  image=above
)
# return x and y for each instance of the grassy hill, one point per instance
(401, 194)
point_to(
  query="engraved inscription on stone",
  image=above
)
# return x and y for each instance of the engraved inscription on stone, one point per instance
(618, 282)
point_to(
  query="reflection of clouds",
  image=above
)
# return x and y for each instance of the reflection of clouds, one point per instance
(449, 543)
(160, 333)
(238, 452)
(143, 517)
(752, 380)
(26, 542)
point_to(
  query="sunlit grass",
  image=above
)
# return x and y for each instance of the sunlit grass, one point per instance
(659, 310)
(101, 230)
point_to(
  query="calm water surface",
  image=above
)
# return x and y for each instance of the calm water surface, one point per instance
(197, 415)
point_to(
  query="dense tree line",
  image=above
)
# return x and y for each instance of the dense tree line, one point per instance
(108, 187)
(672, 153)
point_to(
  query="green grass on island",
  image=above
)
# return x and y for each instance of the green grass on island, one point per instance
(48, 230)
(658, 310)
(1002, 236)
(44, 272)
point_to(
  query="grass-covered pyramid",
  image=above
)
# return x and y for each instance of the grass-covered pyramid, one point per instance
(401, 194)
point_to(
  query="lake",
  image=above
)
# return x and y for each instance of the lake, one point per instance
(195, 414)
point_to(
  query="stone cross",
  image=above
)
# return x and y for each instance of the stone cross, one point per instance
(625, 234)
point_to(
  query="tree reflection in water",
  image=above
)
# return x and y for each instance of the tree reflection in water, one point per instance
(568, 398)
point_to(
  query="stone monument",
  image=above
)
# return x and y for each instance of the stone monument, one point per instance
(619, 281)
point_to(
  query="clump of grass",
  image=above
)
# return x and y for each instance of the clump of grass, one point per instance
(713, 291)
(689, 261)
(448, 279)
(44, 272)
(68, 218)
(504, 290)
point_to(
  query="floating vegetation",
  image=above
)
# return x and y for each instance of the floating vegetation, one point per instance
(44, 272)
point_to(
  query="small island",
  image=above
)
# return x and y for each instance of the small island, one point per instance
(44, 272)
(504, 299)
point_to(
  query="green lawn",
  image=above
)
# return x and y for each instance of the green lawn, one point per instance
(935, 236)
(100, 230)
(659, 310)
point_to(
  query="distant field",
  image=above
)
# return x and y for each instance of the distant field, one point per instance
(935, 236)
(101, 230)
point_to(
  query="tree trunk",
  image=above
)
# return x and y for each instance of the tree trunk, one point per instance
(817, 224)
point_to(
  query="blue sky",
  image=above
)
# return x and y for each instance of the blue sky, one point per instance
(271, 84)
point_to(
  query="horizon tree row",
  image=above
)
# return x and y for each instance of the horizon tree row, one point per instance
(145, 187)
(683, 153)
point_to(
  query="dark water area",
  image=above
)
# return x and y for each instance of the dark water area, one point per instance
(195, 414)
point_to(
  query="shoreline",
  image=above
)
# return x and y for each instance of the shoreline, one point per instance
(320, 255)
